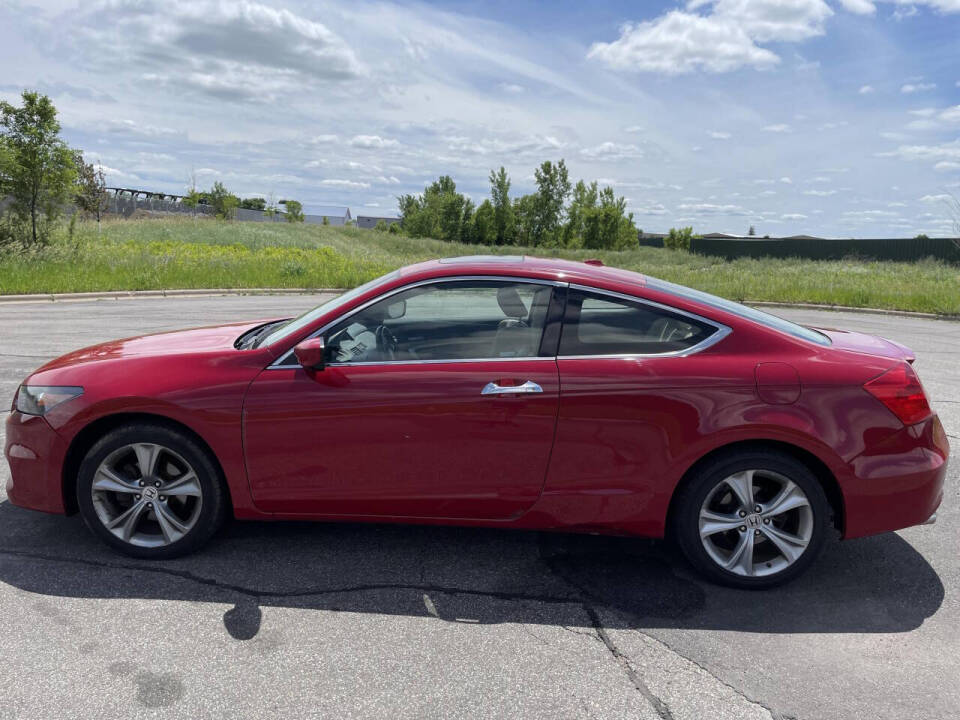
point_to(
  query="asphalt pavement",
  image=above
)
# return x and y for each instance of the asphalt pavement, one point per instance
(315, 620)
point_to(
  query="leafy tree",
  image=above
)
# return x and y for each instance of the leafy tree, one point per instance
(922, 236)
(503, 219)
(294, 210)
(678, 238)
(381, 226)
(597, 219)
(223, 202)
(36, 166)
(752, 231)
(485, 224)
(440, 212)
(91, 192)
(395, 228)
(254, 203)
(325, 221)
(525, 219)
(553, 187)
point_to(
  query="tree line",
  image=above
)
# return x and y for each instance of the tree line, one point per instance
(557, 214)
(41, 176)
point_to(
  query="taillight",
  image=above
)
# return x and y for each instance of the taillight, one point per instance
(900, 390)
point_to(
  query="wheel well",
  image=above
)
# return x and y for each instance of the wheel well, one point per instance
(85, 439)
(819, 469)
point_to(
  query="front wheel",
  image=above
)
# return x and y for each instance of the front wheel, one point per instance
(150, 492)
(752, 519)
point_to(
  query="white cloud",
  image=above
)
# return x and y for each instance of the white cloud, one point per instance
(778, 128)
(947, 166)
(786, 181)
(372, 142)
(712, 209)
(350, 184)
(820, 193)
(951, 114)
(324, 139)
(723, 39)
(910, 88)
(242, 51)
(945, 151)
(793, 216)
(633, 129)
(865, 89)
(717, 135)
(923, 112)
(860, 7)
(652, 209)
(512, 88)
(611, 151)
(922, 125)
(931, 199)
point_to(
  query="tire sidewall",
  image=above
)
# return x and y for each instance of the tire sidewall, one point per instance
(688, 515)
(211, 509)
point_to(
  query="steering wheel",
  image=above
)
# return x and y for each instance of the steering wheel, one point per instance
(387, 342)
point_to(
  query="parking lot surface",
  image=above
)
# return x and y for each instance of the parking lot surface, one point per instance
(309, 620)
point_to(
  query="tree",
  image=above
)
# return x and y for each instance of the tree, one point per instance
(294, 210)
(485, 224)
(678, 238)
(223, 202)
(36, 166)
(91, 192)
(553, 187)
(440, 212)
(254, 203)
(503, 219)
(751, 232)
(381, 226)
(597, 219)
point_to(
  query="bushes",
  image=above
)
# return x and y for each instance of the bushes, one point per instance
(678, 238)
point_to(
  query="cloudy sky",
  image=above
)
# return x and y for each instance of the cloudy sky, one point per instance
(837, 118)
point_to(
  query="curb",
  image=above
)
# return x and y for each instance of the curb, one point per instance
(140, 294)
(215, 292)
(848, 308)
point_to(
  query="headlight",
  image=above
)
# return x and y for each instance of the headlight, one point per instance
(40, 399)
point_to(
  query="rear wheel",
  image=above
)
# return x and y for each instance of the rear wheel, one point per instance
(150, 492)
(752, 519)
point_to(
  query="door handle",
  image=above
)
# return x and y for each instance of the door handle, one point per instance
(492, 388)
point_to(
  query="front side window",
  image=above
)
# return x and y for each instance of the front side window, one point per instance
(597, 324)
(453, 320)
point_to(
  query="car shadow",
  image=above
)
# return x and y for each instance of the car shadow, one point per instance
(878, 584)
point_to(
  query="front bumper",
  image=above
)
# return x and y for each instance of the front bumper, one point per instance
(898, 483)
(35, 453)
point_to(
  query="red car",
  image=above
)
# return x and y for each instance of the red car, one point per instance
(495, 391)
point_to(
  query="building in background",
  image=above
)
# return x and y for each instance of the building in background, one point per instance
(370, 221)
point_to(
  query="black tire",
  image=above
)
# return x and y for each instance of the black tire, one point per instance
(698, 486)
(213, 505)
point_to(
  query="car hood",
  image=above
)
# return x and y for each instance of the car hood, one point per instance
(195, 340)
(868, 344)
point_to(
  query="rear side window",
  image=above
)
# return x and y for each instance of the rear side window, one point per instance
(597, 324)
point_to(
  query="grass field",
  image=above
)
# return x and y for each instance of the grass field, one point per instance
(186, 253)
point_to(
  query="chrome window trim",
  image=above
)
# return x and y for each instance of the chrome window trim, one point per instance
(278, 363)
(722, 330)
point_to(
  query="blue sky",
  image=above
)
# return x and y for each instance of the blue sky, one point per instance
(827, 117)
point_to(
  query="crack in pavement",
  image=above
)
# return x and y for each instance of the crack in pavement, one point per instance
(773, 713)
(655, 702)
(309, 592)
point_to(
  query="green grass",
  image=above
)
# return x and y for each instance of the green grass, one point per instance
(175, 253)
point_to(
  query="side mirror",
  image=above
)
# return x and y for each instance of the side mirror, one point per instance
(310, 353)
(397, 310)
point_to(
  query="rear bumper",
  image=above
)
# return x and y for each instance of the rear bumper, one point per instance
(898, 483)
(35, 453)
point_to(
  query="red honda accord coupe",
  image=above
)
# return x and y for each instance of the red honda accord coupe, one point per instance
(494, 391)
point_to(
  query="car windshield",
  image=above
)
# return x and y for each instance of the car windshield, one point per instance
(298, 323)
(735, 308)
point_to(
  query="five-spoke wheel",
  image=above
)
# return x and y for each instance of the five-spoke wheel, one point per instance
(150, 491)
(752, 519)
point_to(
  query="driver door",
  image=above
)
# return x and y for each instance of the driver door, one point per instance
(417, 412)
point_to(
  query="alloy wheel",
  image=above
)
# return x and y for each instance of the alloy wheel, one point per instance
(147, 495)
(756, 523)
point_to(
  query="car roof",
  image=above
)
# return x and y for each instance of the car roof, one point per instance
(525, 266)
